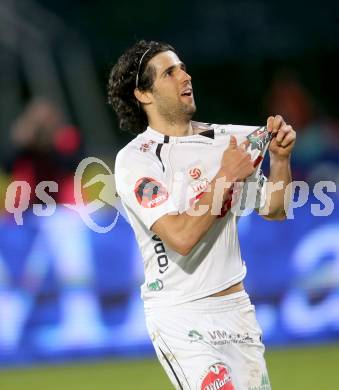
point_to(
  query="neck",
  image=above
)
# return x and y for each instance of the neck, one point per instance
(172, 129)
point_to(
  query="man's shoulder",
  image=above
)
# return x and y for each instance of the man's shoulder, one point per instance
(128, 148)
(138, 149)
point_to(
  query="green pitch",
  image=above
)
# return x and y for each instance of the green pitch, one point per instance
(290, 369)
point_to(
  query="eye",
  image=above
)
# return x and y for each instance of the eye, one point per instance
(169, 72)
(183, 67)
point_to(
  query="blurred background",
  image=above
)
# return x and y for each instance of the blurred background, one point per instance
(69, 296)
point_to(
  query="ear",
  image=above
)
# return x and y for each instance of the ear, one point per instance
(144, 97)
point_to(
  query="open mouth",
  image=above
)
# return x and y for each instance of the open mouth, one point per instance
(187, 92)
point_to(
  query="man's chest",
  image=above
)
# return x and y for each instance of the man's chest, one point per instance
(190, 169)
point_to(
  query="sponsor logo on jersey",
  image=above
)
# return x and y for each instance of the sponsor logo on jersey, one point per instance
(150, 193)
(195, 336)
(220, 337)
(160, 252)
(156, 285)
(217, 377)
(195, 173)
(200, 185)
(146, 146)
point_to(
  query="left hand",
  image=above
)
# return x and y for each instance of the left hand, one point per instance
(283, 137)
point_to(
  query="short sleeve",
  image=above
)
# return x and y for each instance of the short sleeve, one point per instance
(141, 185)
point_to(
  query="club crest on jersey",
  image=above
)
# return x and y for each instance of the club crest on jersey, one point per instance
(195, 173)
(146, 146)
(217, 377)
(150, 193)
(259, 138)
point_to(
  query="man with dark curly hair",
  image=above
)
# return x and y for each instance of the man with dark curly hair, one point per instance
(181, 183)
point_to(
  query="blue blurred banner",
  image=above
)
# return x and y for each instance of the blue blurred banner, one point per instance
(66, 291)
(293, 274)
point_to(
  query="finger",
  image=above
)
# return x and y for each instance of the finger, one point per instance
(233, 142)
(282, 133)
(245, 144)
(278, 123)
(289, 138)
(269, 123)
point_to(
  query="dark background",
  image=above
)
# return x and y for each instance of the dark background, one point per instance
(232, 49)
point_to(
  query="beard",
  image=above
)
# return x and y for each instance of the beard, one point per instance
(173, 110)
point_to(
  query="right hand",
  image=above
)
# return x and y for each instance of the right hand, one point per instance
(236, 162)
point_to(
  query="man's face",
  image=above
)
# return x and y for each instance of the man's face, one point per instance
(172, 88)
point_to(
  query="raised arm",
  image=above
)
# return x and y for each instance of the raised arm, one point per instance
(280, 171)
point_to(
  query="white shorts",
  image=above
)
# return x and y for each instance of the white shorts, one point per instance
(212, 343)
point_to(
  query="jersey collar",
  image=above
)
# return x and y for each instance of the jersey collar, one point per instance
(206, 131)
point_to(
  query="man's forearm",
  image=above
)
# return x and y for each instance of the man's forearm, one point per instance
(200, 217)
(278, 180)
(194, 223)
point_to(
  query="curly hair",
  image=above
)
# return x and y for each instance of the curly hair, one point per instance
(131, 71)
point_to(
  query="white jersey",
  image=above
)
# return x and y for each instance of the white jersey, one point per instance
(158, 175)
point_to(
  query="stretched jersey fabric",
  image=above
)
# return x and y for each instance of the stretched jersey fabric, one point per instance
(157, 175)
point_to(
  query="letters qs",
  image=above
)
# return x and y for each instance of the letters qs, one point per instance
(18, 195)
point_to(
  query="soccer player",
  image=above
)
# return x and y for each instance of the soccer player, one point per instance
(176, 180)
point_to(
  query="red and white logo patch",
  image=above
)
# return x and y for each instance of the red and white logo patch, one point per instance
(150, 193)
(195, 173)
(146, 146)
(217, 377)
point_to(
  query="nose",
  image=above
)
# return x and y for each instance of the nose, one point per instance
(184, 76)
